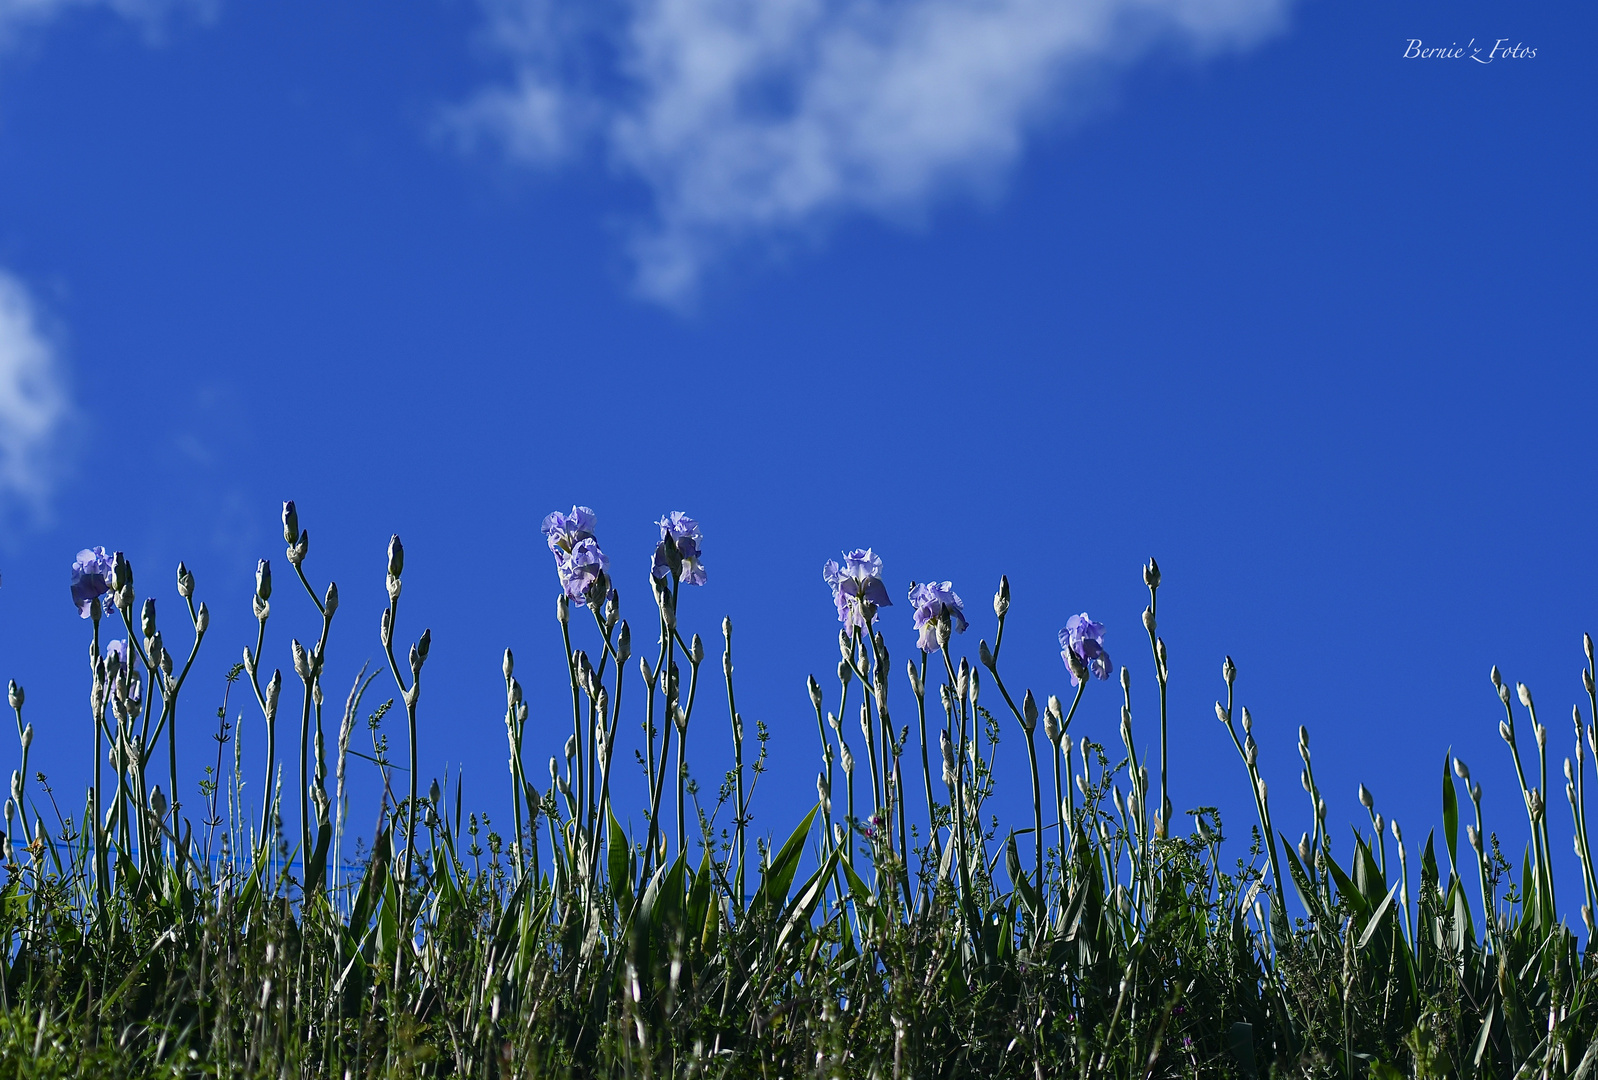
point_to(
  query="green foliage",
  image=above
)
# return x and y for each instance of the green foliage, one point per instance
(869, 945)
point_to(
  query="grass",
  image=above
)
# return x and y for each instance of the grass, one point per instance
(876, 941)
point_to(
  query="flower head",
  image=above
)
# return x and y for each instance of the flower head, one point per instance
(91, 581)
(578, 559)
(684, 533)
(936, 601)
(856, 584)
(1085, 638)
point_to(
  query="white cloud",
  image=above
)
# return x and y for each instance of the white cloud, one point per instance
(34, 407)
(753, 119)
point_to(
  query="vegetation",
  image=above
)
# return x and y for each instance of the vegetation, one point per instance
(896, 933)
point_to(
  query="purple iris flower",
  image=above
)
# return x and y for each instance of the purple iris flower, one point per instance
(1085, 638)
(934, 601)
(91, 581)
(684, 532)
(578, 559)
(856, 583)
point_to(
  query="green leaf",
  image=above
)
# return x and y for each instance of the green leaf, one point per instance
(618, 852)
(772, 895)
(1450, 813)
(1376, 919)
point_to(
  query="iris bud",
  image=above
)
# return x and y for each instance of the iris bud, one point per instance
(1151, 574)
(1228, 671)
(185, 582)
(1365, 798)
(1001, 599)
(815, 690)
(396, 556)
(1029, 712)
(1461, 770)
(1525, 694)
(263, 580)
(14, 693)
(291, 523)
(330, 599)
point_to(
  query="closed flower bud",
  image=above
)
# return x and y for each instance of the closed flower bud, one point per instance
(14, 694)
(696, 651)
(1001, 599)
(263, 580)
(1221, 714)
(1378, 824)
(1082, 786)
(1586, 679)
(1303, 735)
(1569, 773)
(1120, 804)
(121, 572)
(1586, 646)
(433, 794)
(1065, 744)
(1126, 680)
(273, 688)
(815, 690)
(1051, 726)
(1398, 835)
(1148, 619)
(822, 795)
(1461, 770)
(845, 672)
(1320, 809)
(1262, 789)
(1029, 712)
(571, 747)
(1159, 654)
(508, 665)
(291, 523)
(554, 770)
(1304, 848)
(1505, 733)
(147, 617)
(1498, 680)
(848, 761)
(16, 786)
(302, 664)
(985, 654)
(424, 643)
(396, 556)
(624, 644)
(185, 582)
(11, 811)
(1228, 671)
(1525, 694)
(202, 619)
(1541, 733)
(1365, 798)
(27, 737)
(1251, 751)
(158, 802)
(1303, 781)
(1570, 793)
(1503, 694)
(1248, 721)
(1151, 574)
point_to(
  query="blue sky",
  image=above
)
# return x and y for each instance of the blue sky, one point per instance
(1007, 288)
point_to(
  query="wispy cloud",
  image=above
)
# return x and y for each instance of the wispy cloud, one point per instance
(34, 406)
(751, 119)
